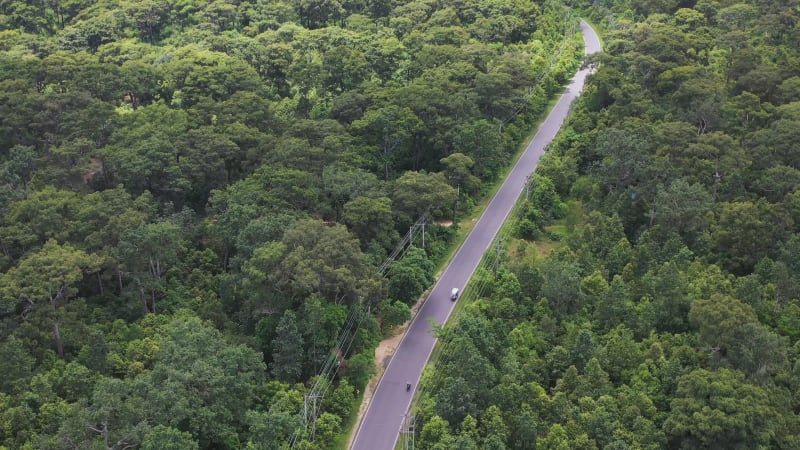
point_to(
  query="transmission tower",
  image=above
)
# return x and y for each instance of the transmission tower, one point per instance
(346, 337)
(405, 243)
(408, 431)
(414, 229)
(528, 186)
(498, 247)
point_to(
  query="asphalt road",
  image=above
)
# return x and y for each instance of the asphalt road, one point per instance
(381, 425)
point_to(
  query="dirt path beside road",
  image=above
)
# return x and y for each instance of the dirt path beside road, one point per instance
(383, 355)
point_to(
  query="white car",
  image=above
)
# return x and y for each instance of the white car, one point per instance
(454, 294)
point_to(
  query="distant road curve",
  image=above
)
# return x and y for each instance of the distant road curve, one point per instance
(381, 425)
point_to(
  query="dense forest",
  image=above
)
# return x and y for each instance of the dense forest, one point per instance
(651, 296)
(196, 197)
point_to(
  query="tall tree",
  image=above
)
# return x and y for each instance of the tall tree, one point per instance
(148, 254)
(287, 349)
(719, 410)
(371, 220)
(683, 207)
(388, 128)
(202, 384)
(418, 193)
(50, 274)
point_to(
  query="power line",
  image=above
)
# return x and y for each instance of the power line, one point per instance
(336, 356)
(486, 269)
(401, 248)
(568, 18)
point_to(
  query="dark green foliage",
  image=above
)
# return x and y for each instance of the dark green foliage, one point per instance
(195, 197)
(393, 314)
(287, 349)
(18, 365)
(360, 368)
(667, 315)
(411, 276)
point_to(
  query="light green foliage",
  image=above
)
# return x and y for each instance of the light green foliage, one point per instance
(45, 281)
(166, 438)
(545, 198)
(492, 425)
(719, 408)
(269, 429)
(435, 434)
(40, 217)
(556, 439)
(340, 402)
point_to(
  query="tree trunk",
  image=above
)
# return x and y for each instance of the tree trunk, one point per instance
(134, 100)
(59, 340)
(143, 296)
(416, 157)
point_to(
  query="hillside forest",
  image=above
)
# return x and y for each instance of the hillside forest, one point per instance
(650, 296)
(196, 197)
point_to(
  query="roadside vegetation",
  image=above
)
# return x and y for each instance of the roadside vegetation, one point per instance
(195, 198)
(652, 298)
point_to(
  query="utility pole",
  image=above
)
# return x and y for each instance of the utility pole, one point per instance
(407, 431)
(423, 234)
(419, 225)
(528, 187)
(455, 207)
(405, 243)
(497, 247)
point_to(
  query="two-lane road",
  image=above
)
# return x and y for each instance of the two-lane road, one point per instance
(380, 427)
